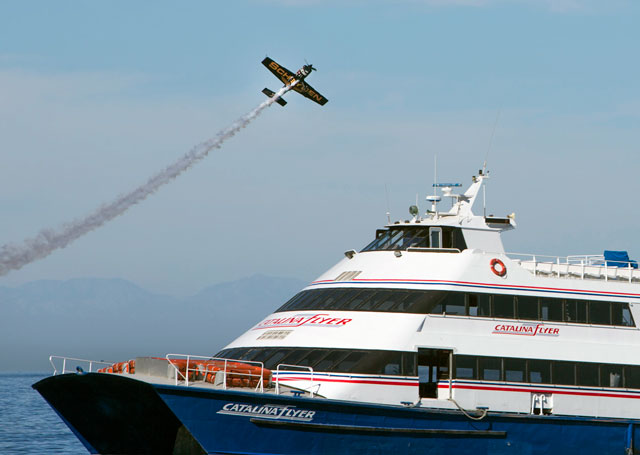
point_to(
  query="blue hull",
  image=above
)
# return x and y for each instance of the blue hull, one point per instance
(196, 421)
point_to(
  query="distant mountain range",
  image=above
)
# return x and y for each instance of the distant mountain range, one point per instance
(114, 319)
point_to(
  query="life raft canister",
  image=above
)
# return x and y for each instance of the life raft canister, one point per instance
(498, 267)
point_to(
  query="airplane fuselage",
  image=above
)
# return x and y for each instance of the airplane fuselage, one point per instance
(295, 81)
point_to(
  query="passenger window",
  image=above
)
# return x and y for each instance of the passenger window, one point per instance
(465, 367)
(514, 370)
(406, 301)
(490, 368)
(409, 364)
(392, 369)
(292, 301)
(343, 297)
(563, 373)
(431, 303)
(503, 306)
(540, 371)
(273, 361)
(627, 318)
(327, 302)
(390, 300)
(387, 363)
(479, 305)
(620, 314)
(313, 357)
(587, 374)
(455, 303)
(375, 301)
(359, 300)
(257, 355)
(611, 375)
(326, 364)
(632, 377)
(599, 313)
(575, 311)
(551, 309)
(528, 308)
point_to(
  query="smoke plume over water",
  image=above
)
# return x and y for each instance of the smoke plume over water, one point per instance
(16, 256)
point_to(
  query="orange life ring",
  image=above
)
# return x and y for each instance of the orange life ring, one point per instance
(501, 270)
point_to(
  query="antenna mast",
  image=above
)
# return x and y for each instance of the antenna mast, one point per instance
(386, 190)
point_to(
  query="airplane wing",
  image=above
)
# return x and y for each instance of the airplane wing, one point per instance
(279, 71)
(306, 90)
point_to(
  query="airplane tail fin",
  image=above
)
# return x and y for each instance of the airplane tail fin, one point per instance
(270, 94)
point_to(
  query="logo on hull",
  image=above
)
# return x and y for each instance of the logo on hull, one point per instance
(268, 411)
(530, 330)
(314, 320)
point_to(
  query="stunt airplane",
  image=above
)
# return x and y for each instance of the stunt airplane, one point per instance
(289, 78)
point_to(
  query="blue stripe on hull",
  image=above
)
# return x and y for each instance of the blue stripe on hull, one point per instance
(247, 423)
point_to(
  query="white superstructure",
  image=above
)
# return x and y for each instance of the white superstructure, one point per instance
(433, 312)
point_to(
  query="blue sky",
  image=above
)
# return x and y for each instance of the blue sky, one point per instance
(96, 97)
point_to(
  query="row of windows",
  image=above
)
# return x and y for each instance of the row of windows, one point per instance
(536, 308)
(461, 303)
(354, 299)
(330, 360)
(546, 371)
(401, 238)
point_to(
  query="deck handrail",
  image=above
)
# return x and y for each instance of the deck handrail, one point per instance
(189, 357)
(303, 367)
(579, 266)
(64, 359)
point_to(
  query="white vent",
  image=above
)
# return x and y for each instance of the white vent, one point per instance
(347, 276)
(274, 334)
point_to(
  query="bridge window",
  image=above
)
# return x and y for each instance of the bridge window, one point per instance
(403, 237)
(435, 237)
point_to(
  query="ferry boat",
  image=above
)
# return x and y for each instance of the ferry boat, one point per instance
(429, 340)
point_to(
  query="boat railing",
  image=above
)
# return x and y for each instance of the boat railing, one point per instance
(192, 369)
(584, 266)
(62, 362)
(288, 368)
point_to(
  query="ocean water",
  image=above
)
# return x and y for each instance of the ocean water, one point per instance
(28, 425)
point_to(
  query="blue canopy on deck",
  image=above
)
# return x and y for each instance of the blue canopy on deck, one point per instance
(618, 259)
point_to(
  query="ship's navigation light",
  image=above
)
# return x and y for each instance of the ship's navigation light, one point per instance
(413, 210)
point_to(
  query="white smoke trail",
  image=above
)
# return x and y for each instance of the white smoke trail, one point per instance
(14, 257)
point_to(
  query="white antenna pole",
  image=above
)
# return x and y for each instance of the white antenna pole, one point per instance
(386, 190)
(435, 181)
(435, 173)
(484, 197)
